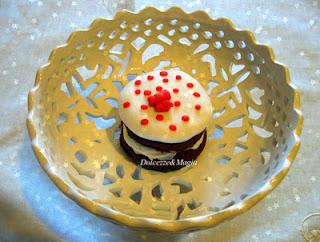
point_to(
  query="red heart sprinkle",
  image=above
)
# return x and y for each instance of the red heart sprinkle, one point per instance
(126, 104)
(159, 88)
(147, 92)
(160, 97)
(178, 77)
(177, 103)
(185, 118)
(198, 107)
(137, 91)
(190, 85)
(165, 80)
(159, 117)
(150, 78)
(172, 127)
(196, 94)
(160, 107)
(166, 104)
(175, 90)
(161, 101)
(137, 82)
(152, 100)
(163, 73)
(144, 106)
(166, 94)
(144, 121)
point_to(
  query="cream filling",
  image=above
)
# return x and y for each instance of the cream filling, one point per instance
(152, 153)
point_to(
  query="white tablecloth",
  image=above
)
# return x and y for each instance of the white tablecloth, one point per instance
(33, 209)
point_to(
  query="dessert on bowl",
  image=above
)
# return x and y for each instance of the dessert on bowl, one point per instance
(164, 118)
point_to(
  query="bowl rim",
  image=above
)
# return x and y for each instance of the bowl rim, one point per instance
(193, 223)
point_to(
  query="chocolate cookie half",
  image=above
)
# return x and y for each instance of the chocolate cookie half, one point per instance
(162, 159)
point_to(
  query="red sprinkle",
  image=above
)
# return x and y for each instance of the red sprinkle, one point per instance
(198, 107)
(138, 91)
(159, 117)
(163, 73)
(152, 100)
(144, 106)
(190, 85)
(172, 127)
(147, 92)
(178, 77)
(159, 88)
(163, 106)
(165, 80)
(175, 90)
(126, 104)
(185, 118)
(166, 94)
(150, 78)
(177, 103)
(137, 82)
(196, 94)
(144, 121)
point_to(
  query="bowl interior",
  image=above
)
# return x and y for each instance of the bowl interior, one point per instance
(75, 116)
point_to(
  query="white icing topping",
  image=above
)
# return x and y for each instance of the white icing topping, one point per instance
(152, 153)
(157, 130)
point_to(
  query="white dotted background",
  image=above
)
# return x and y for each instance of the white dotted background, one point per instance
(33, 209)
